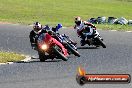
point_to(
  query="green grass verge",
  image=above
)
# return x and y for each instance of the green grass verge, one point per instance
(62, 11)
(10, 57)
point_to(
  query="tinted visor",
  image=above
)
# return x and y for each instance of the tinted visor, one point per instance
(87, 29)
(36, 28)
(78, 22)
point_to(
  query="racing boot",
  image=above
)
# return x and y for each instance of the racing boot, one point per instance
(82, 42)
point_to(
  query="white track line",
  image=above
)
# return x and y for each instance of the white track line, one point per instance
(128, 31)
(28, 58)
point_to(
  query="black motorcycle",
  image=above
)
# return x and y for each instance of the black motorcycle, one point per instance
(68, 44)
(95, 40)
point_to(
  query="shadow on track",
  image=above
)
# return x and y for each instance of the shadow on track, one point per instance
(36, 60)
(87, 47)
(48, 60)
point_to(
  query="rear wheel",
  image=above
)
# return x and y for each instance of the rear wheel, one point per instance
(74, 51)
(59, 52)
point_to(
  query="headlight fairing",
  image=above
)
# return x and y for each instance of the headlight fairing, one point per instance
(44, 47)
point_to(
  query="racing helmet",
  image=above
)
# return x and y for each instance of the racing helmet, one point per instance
(37, 26)
(58, 26)
(78, 20)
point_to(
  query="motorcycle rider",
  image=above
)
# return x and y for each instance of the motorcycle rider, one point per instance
(34, 34)
(54, 32)
(84, 29)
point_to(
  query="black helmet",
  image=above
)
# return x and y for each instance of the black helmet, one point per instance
(37, 26)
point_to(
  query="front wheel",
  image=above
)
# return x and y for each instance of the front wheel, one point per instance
(58, 51)
(102, 43)
(42, 56)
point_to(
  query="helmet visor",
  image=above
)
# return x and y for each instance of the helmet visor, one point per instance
(78, 22)
(36, 28)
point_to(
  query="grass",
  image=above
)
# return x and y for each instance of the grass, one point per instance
(62, 11)
(10, 57)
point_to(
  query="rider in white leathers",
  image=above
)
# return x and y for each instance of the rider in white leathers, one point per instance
(84, 29)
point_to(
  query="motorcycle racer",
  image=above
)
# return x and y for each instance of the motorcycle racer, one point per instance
(84, 29)
(37, 30)
(54, 31)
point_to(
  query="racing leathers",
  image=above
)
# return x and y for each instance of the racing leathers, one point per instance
(33, 39)
(85, 29)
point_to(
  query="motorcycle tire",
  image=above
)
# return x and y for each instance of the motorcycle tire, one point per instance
(42, 57)
(74, 51)
(60, 54)
(102, 43)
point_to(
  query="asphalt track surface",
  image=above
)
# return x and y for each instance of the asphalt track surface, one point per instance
(116, 58)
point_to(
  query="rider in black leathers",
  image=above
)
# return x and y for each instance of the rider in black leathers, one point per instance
(37, 30)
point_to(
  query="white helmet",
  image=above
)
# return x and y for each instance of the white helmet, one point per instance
(37, 26)
(78, 20)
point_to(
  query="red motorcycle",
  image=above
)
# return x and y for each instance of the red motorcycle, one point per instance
(48, 47)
